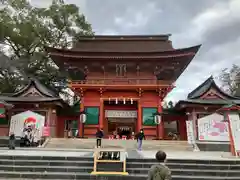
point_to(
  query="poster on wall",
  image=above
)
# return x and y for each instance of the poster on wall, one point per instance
(235, 129)
(190, 132)
(27, 119)
(213, 128)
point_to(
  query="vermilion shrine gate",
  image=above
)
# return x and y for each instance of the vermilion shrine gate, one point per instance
(122, 80)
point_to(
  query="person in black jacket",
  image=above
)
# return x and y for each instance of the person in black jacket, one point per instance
(99, 136)
(12, 140)
(140, 137)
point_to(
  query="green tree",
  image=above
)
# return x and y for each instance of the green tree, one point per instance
(230, 79)
(26, 31)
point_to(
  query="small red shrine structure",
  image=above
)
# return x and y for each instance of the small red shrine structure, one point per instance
(122, 80)
(206, 99)
(34, 97)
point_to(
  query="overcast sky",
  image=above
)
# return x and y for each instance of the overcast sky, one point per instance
(213, 23)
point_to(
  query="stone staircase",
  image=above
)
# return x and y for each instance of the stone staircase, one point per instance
(128, 144)
(47, 167)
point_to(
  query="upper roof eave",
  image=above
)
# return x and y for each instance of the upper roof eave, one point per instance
(192, 49)
(124, 37)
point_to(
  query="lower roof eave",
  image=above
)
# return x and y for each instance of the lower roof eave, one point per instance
(18, 100)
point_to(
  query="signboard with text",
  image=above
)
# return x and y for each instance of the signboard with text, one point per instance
(120, 114)
(213, 128)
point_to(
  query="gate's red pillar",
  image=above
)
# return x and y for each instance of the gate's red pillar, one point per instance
(232, 148)
(80, 128)
(139, 117)
(101, 113)
(161, 125)
(182, 127)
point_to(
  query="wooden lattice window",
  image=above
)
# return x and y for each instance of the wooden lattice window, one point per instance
(121, 70)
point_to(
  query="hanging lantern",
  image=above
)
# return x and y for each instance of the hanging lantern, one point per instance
(131, 101)
(158, 119)
(83, 118)
(116, 101)
(124, 101)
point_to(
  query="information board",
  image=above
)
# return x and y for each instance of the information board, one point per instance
(110, 161)
(213, 128)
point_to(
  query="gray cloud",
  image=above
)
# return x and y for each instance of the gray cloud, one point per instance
(213, 23)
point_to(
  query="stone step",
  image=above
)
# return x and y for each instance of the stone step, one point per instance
(188, 166)
(69, 169)
(86, 176)
(192, 161)
(54, 167)
(46, 163)
(47, 158)
(73, 159)
(138, 162)
(68, 163)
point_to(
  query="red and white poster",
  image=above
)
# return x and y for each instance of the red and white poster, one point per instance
(213, 128)
(27, 119)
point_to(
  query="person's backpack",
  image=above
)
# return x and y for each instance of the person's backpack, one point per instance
(159, 172)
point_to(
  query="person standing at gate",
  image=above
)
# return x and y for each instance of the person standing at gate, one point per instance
(140, 137)
(12, 140)
(99, 136)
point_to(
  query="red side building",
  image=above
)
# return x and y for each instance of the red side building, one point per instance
(206, 99)
(122, 80)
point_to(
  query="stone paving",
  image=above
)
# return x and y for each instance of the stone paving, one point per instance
(131, 154)
(191, 155)
(62, 143)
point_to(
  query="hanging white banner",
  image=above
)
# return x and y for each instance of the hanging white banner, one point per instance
(120, 114)
(190, 132)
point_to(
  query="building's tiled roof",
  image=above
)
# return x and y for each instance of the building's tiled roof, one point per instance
(205, 86)
(195, 96)
(39, 86)
(45, 94)
(123, 43)
(74, 53)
